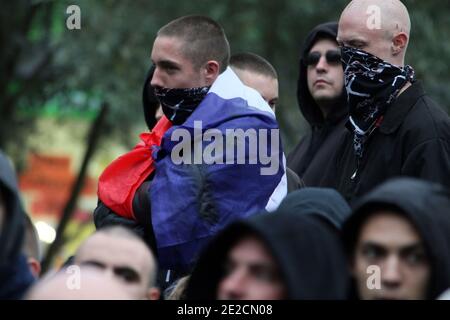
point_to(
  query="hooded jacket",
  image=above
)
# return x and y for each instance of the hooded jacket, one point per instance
(314, 150)
(427, 206)
(326, 204)
(308, 253)
(15, 276)
(150, 103)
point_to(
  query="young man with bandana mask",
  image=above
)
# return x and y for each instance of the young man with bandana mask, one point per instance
(394, 127)
(187, 204)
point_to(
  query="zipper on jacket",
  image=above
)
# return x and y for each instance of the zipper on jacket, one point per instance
(358, 161)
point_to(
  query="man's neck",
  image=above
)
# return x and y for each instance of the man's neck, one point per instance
(325, 107)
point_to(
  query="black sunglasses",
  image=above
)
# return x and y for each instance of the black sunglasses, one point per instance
(332, 57)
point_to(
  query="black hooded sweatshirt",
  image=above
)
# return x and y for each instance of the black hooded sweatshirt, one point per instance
(314, 150)
(427, 206)
(309, 256)
(326, 204)
(15, 276)
(150, 103)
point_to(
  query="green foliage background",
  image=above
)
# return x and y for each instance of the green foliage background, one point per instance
(47, 69)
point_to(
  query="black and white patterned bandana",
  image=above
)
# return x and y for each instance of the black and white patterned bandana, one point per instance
(178, 104)
(372, 85)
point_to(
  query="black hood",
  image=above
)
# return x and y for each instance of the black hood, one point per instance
(309, 255)
(15, 275)
(308, 106)
(149, 101)
(327, 204)
(427, 206)
(12, 231)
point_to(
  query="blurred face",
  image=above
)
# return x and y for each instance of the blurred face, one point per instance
(389, 241)
(324, 71)
(94, 285)
(266, 86)
(173, 69)
(126, 260)
(251, 274)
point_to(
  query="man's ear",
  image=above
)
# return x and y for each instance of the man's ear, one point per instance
(211, 71)
(399, 43)
(35, 267)
(153, 293)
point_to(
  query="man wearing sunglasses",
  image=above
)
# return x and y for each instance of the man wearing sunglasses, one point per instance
(322, 101)
(394, 127)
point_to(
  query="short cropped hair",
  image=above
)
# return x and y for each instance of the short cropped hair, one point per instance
(247, 61)
(204, 39)
(122, 232)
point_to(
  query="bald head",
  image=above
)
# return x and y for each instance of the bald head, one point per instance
(380, 27)
(80, 284)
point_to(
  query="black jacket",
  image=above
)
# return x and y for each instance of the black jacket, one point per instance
(309, 255)
(15, 276)
(413, 140)
(427, 206)
(315, 149)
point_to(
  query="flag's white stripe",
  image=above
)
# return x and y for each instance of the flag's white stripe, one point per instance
(229, 86)
(280, 191)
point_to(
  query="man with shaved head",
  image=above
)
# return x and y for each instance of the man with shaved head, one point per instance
(395, 128)
(121, 255)
(257, 73)
(85, 283)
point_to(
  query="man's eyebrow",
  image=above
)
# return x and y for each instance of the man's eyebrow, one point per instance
(412, 247)
(356, 40)
(374, 245)
(269, 268)
(167, 64)
(353, 39)
(125, 270)
(262, 266)
(93, 263)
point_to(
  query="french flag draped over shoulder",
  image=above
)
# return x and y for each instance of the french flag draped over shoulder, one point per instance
(191, 202)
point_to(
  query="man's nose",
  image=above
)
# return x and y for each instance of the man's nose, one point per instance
(391, 273)
(322, 65)
(233, 285)
(156, 79)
